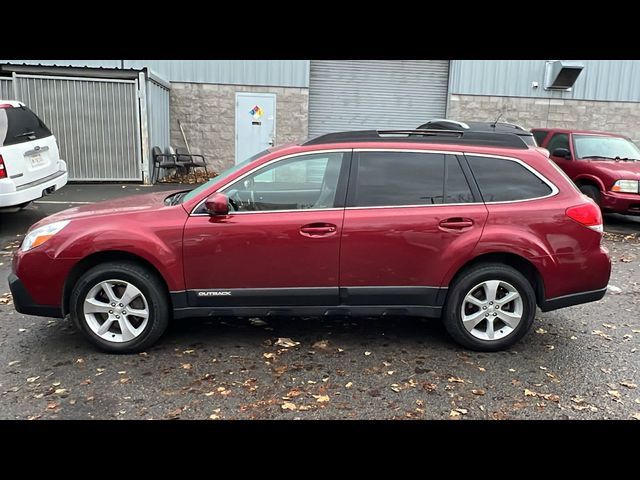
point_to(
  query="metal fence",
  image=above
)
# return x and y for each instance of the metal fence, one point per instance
(96, 122)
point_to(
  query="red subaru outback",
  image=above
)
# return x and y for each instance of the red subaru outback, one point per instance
(605, 166)
(476, 227)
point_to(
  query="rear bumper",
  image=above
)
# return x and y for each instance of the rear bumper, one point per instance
(11, 195)
(625, 203)
(24, 303)
(573, 299)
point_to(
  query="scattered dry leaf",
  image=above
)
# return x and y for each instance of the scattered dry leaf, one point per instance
(321, 398)
(478, 391)
(541, 331)
(286, 343)
(455, 380)
(268, 355)
(187, 366)
(321, 345)
(288, 406)
(367, 353)
(628, 384)
(32, 379)
(349, 385)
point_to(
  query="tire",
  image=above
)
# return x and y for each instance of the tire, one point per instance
(147, 295)
(592, 192)
(472, 281)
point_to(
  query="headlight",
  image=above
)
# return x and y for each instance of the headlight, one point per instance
(42, 234)
(625, 186)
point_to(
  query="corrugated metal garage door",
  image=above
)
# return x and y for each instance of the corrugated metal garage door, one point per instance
(95, 120)
(363, 94)
(6, 89)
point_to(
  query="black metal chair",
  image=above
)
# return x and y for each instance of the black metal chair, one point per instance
(163, 160)
(191, 160)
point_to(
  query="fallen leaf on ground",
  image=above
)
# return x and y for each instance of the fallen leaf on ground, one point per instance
(124, 379)
(15, 362)
(286, 343)
(529, 393)
(614, 393)
(367, 353)
(214, 416)
(455, 380)
(463, 411)
(60, 391)
(395, 388)
(541, 331)
(348, 385)
(454, 413)
(268, 355)
(32, 379)
(122, 372)
(186, 366)
(600, 333)
(482, 369)
(628, 384)
(430, 387)
(512, 370)
(321, 398)
(22, 330)
(187, 352)
(52, 406)
(174, 413)
(321, 345)
(478, 391)
(609, 326)
(288, 406)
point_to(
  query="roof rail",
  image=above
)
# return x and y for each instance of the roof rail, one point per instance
(457, 137)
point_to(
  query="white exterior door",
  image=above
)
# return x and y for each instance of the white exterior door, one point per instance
(255, 123)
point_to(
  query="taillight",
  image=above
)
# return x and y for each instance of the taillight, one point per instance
(3, 170)
(6, 105)
(587, 214)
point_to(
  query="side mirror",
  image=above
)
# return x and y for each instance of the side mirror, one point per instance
(217, 204)
(562, 153)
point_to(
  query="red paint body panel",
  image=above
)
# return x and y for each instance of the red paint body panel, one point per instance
(602, 173)
(261, 250)
(139, 225)
(405, 245)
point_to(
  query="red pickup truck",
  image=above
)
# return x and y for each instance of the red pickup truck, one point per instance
(604, 166)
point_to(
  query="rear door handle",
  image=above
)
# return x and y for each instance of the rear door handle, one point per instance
(456, 223)
(318, 230)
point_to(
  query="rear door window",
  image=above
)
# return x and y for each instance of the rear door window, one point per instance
(386, 179)
(20, 125)
(502, 180)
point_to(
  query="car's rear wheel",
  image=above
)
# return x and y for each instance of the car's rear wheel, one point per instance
(120, 307)
(592, 192)
(490, 307)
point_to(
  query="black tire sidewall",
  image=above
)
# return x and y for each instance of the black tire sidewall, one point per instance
(471, 278)
(146, 282)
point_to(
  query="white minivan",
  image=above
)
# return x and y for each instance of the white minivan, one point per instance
(30, 164)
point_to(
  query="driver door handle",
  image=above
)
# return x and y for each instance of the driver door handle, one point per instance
(315, 230)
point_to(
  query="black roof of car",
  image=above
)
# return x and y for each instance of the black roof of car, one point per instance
(495, 127)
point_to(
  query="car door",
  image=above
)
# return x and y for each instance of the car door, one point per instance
(409, 215)
(279, 245)
(568, 164)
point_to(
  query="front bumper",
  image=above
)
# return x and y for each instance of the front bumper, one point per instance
(24, 303)
(11, 195)
(624, 203)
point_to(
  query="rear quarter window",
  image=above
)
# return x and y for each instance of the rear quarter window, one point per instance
(19, 124)
(502, 180)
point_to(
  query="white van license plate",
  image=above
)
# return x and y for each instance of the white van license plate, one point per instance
(36, 160)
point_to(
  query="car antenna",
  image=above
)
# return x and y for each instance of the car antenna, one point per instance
(496, 122)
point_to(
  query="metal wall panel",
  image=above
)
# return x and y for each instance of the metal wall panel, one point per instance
(6, 89)
(363, 94)
(607, 80)
(279, 73)
(158, 115)
(95, 121)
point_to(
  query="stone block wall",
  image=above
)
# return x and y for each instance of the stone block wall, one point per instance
(616, 117)
(207, 113)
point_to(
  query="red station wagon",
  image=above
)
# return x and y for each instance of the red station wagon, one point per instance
(605, 166)
(476, 227)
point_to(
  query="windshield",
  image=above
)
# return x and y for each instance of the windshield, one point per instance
(598, 146)
(222, 176)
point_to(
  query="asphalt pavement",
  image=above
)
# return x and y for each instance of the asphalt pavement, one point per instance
(577, 363)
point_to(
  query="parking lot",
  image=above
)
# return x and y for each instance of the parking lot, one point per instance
(577, 363)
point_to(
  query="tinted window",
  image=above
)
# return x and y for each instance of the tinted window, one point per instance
(539, 135)
(398, 178)
(456, 187)
(505, 180)
(22, 125)
(299, 183)
(559, 140)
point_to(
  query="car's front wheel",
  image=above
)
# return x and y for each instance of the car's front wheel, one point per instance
(490, 307)
(120, 307)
